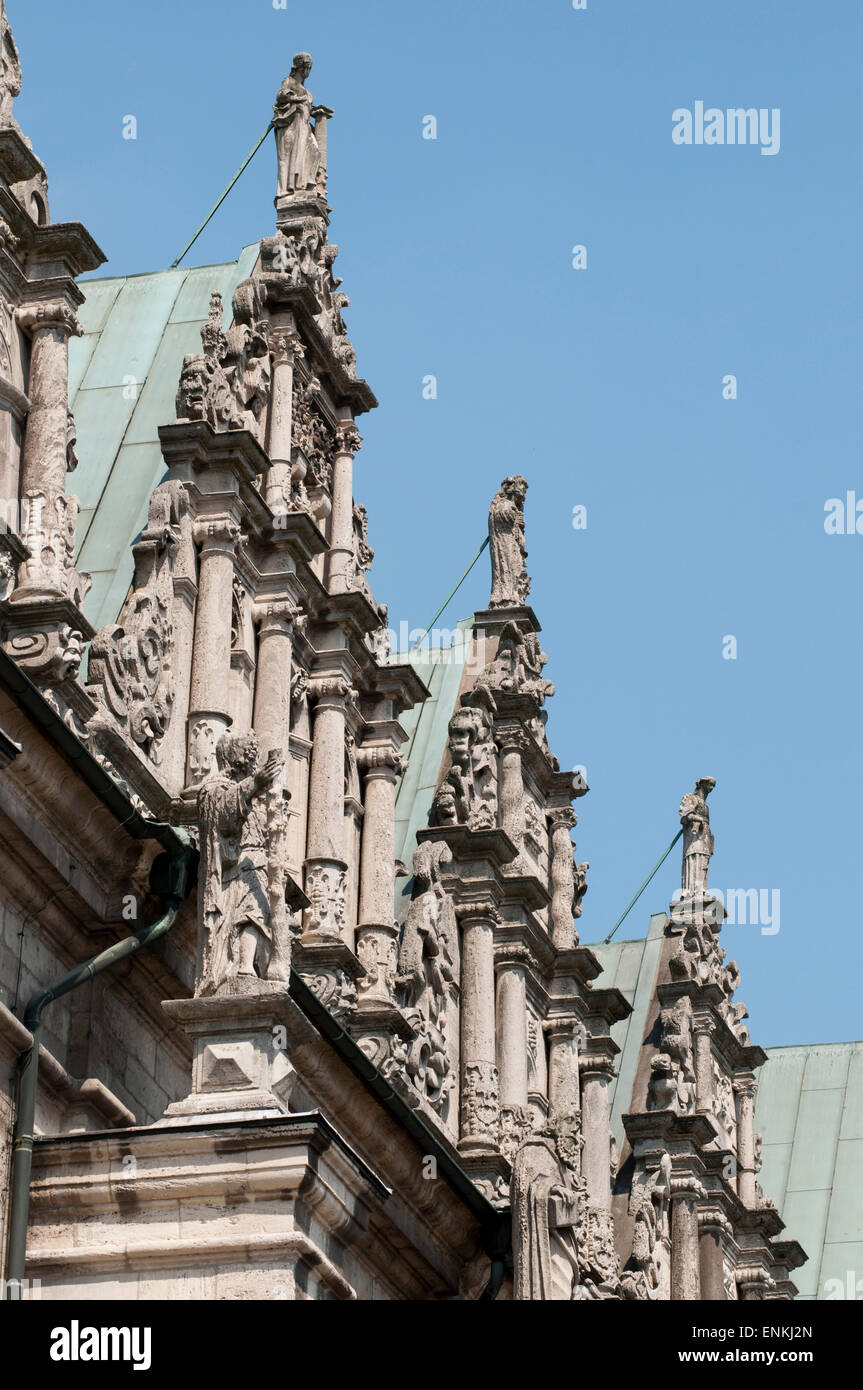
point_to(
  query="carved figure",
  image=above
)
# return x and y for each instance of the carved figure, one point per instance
(302, 163)
(697, 837)
(510, 584)
(234, 888)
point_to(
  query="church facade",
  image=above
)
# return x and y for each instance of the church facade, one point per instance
(280, 1018)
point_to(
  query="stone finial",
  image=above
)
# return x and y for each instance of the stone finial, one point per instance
(510, 584)
(697, 837)
(300, 128)
(10, 71)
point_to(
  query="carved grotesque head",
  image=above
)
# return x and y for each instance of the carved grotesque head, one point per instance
(237, 755)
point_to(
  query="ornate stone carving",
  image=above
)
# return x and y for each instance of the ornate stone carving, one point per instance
(131, 661)
(724, 1107)
(516, 1123)
(579, 886)
(698, 955)
(480, 1102)
(468, 794)
(549, 1207)
(334, 989)
(237, 858)
(386, 1051)
(228, 384)
(647, 1274)
(314, 436)
(517, 665)
(599, 1268)
(733, 1013)
(48, 657)
(363, 555)
(203, 736)
(7, 574)
(48, 531)
(301, 158)
(672, 1076)
(510, 584)
(326, 887)
(428, 972)
(10, 71)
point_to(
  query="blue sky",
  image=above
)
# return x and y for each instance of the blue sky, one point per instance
(705, 516)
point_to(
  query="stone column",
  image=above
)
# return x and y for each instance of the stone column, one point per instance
(377, 934)
(326, 868)
(745, 1091)
(711, 1224)
(480, 1095)
(511, 962)
(596, 1073)
(511, 787)
(209, 712)
(272, 716)
(704, 1080)
(286, 348)
(340, 564)
(685, 1255)
(561, 821)
(564, 1092)
(49, 520)
(185, 585)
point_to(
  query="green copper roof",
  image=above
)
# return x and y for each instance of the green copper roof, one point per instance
(810, 1113)
(631, 967)
(426, 725)
(123, 378)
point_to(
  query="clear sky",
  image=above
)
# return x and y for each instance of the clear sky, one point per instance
(604, 386)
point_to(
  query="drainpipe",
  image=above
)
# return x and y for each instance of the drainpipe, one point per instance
(172, 874)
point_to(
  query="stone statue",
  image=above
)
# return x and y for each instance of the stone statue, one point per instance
(549, 1208)
(302, 161)
(10, 71)
(510, 584)
(234, 886)
(697, 839)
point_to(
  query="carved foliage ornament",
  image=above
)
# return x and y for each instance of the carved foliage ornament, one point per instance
(131, 661)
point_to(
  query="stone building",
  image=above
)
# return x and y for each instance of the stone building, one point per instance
(293, 998)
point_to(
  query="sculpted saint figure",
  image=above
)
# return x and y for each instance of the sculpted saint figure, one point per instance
(234, 898)
(697, 838)
(510, 584)
(301, 159)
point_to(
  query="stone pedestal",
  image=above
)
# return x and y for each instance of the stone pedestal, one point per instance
(241, 1068)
